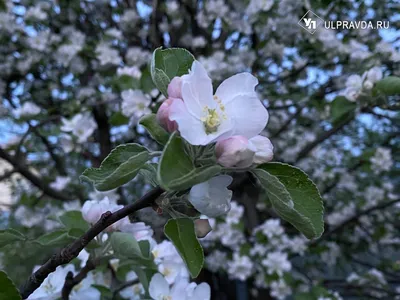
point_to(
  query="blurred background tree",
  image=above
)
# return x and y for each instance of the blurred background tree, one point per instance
(75, 80)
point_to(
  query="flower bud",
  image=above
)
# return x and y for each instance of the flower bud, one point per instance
(234, 152)
(163, 116)
(202, 227)
(264, 150)
(368, 85)
(175, 88)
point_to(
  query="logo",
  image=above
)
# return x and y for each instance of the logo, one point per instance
(310, 21)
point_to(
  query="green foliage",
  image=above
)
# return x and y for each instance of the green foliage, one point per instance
(341, 108)
(168, 63)
(56, 238)
(182, 234)
(118, 119)
(10, 236)
(154, 129)
(389, 86)
(176, 170)
(7, 288)
(118, 168)
(149, 173)
(294, 197)
(73, 219)
(127, 247)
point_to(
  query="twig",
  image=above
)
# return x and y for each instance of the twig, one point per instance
(71, 281)
(71, 251)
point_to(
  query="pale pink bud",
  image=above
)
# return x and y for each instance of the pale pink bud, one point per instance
(202, 227)
(163, 116)
(234, 152)
(263, 148)
(175, 88)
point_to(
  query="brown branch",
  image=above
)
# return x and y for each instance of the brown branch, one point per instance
(21, 168)
(71, 251)
(71, 280)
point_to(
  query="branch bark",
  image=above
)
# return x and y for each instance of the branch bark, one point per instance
(21, 168)
(71, 251)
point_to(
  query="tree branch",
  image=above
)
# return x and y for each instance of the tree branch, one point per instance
(21, 168)
(71, 251)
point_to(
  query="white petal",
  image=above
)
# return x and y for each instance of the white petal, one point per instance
(202, 292)
(239, 84)
(249, 116)
(191, 128)
(264, 150)
(158, 287)
(212, 198)
(197, 90)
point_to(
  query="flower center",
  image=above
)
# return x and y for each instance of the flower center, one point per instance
(211, 121)
(166, 298)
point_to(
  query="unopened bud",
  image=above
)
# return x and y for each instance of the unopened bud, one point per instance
(202, 227)
(163, 116)
(264, 150)
(234, 152)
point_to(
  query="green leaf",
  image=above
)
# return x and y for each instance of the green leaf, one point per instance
(168, 63)
(149, 173)
(118, 168)
(7, 288)
(124, 244)
(390, 85)
(55, 238)
(176, 170)
(73, 219)
(340, 108)
(10, 236)
(144, 276)
(154, 129)
(118, 119)
(105, 292)
(294, 197)
(182, 234)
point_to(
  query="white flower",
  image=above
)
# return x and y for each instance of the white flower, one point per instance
(53, 284)
(277, 262)
(235, 214)
(107, 55)
(130, 71)
(135, 103)
(256, 6)
(135, 291)
(212, 198)
(81, 125)
(280, 290)
(216, 260)
(27, 109)
(382, 160)
(140, 230)
(264, 150)
(234, 109)
(271, 228)
(83, 256)
(354, 86)
(60, 183)
(92, 211)
(159, 289)
(241, 267)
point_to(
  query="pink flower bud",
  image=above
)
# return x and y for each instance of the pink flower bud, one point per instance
(163, 116)
(264, 150)
(235, 151)
(202, 227)
(175, 88)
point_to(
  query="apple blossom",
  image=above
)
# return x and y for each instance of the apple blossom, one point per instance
(92, 211)
(163, 116)
(135, 104)
(234, 109)
(81, 125)
(264, 150)
(212, 198)
(27, 109)
(175, 88)
(235, 151)
(60, 183)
